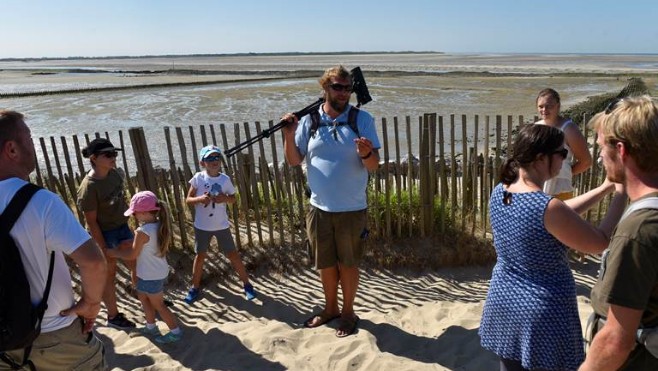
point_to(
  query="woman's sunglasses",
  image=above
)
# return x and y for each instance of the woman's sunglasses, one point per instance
(563, 152)
(110, 154)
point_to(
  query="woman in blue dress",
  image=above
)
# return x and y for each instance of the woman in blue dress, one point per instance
(530, 317)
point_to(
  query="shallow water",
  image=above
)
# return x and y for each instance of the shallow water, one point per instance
(250, 101)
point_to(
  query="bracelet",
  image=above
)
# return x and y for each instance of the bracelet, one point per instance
(366, 156)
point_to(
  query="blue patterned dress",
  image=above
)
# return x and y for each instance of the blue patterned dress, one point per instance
(530, 314)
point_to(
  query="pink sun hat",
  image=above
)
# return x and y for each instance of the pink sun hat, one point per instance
(141, 202)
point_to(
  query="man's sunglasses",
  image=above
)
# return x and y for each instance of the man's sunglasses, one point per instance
(612, 105)
(212, 158)
(341, 88)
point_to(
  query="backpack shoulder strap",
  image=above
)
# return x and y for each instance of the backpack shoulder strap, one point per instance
(16, 205)
(646, 203)
(7, 220)
(351, 120)
(315, 123)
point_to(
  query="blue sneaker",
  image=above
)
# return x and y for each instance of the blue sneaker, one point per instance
(170, 337)
(155, 331)
(249, 292)
(192, 295)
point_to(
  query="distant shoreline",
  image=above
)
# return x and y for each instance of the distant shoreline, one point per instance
(407, 63)
(292, 54)
(264, 76)
(275, 54)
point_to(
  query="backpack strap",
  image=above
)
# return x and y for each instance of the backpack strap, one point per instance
(351, 121)
(315, 123)
(645, 203)
(7, 220)
(15, 207)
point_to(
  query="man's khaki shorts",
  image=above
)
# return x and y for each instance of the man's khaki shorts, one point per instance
(64, 349)
(336, 237)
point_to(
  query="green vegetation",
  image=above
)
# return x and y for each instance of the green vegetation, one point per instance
(598, 103)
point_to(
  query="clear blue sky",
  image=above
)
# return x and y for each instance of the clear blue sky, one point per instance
(61, 28)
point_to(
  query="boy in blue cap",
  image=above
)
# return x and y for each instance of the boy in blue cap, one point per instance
(210, 191)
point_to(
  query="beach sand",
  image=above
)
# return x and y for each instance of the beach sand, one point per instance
(408, 321)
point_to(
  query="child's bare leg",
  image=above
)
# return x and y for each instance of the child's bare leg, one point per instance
(237, 264)
(149, 310)
(197, 269)
(158, 304)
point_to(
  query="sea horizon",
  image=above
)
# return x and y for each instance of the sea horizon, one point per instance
(257, 54)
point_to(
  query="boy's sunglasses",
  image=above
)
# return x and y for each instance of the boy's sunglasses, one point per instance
(212, 158)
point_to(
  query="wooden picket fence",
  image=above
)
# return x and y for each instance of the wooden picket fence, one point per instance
(434, 187)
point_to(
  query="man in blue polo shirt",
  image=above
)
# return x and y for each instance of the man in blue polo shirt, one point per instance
(338, 158)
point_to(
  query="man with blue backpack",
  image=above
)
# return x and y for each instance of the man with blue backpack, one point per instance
(41, 324)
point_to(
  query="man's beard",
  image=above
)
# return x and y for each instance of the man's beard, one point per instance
(616, 174)
(337, 105)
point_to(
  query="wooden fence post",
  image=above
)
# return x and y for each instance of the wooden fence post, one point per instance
(145, 173)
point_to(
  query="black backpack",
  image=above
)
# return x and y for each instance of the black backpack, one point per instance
(20, 321)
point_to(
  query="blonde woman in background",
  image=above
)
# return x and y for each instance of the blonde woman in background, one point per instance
(578, 157)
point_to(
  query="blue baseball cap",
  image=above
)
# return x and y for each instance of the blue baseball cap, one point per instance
(208, 150)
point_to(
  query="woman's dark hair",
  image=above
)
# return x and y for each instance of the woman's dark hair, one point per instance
(531, 141)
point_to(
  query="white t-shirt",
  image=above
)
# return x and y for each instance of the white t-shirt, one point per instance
(151, 266)
(47, 224)
(563, 180)
(211, 217)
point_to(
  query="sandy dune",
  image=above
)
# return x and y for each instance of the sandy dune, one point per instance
(409, 321)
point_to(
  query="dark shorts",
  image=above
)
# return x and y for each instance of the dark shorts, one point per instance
(150, 286)
(224, 240)
(114, 237)
(336, 237)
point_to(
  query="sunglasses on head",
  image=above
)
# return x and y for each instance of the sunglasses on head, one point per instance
(212, 158)
(612, 105)
(112, 154)
(563, 152)
(341, 88)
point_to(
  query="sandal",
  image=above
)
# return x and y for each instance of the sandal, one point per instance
(324, 318)
(347, 326)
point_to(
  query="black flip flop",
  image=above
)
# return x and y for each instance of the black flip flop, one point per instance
(324, 319)
(347, 326)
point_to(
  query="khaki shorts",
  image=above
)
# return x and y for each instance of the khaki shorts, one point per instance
(336, 237)
(64, 349)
